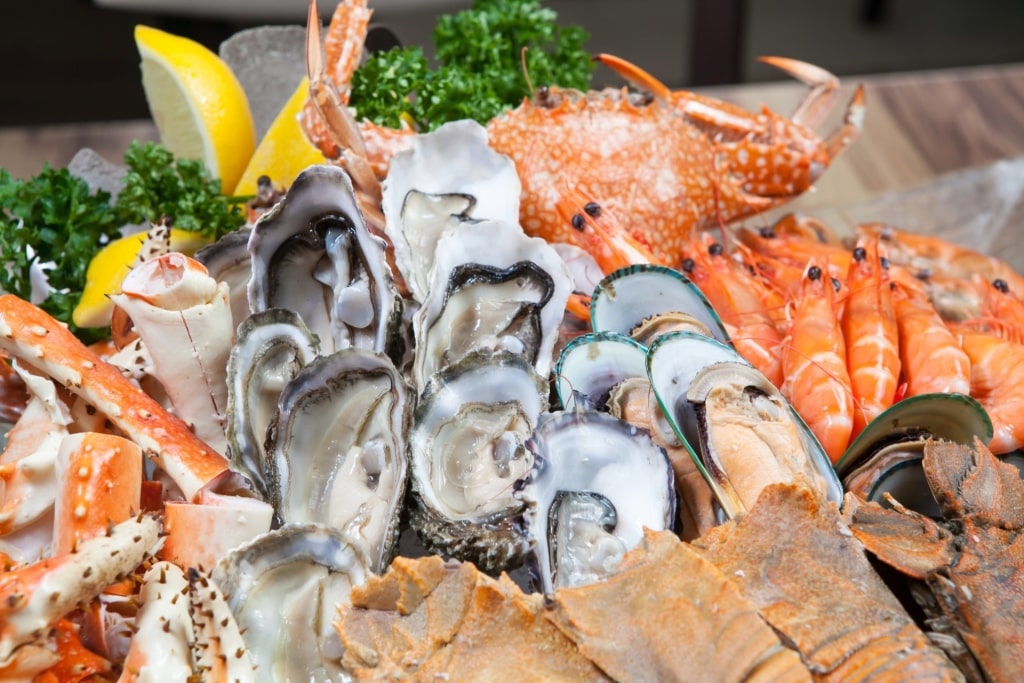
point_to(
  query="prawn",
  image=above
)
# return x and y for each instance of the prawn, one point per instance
(871, 334)
(997, 382)
(930, 354)
(817, 382)
(734, 293)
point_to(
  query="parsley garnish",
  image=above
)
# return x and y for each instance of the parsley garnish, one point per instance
(480, 72)
(53, 221)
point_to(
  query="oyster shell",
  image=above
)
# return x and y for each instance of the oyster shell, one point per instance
(445, 177)
(467, 447)
(313, 254)
(227, 260)
(492, 288)
(270, 349)
(284, 589)
(336, 448)
(595, 484)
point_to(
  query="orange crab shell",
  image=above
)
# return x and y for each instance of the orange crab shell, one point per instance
(660, 176)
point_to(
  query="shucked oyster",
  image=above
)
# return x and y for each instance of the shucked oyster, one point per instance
(467, 447)
(447, 176)
(313, 254)
(270, 349)
(596, 483)
(284, 589)
(336, 449)
(492, 288)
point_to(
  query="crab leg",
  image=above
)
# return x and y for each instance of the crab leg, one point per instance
(36, 339)
(100, 482)
(221, 653)
(224, 522)
(28, 478)
(184, 319)
(34, 597)
(161, 648)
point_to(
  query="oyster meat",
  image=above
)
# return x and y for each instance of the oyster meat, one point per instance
(467, 447)
(337, 452)
(595, 484)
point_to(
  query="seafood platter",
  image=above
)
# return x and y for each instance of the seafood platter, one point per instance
(522, 398)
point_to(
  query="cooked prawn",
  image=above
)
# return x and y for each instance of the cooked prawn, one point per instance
(817, 382)
(871, 334)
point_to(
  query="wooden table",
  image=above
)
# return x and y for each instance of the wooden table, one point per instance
(918, 127)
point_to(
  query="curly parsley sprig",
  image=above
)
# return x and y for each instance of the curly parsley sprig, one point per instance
(480, 72)
(54, 223)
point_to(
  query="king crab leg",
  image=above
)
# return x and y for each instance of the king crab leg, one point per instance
(39, 341)
(34, 597)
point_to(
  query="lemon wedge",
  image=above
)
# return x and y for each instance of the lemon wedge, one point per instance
(197, 103)
(284, 151)
(108, 267)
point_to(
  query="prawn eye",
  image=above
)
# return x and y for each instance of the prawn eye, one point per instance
(859, 254)
(836, 284)
(766, 232)
(1001, 285)
(688, 265)
(578, 221)
(593, 209)
(814, 273)
(884, 262)
(716, 249)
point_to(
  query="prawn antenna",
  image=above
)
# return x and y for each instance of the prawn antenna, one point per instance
(526, 72)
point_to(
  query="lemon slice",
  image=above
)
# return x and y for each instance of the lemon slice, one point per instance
(197, 103)
(108, 267)
(284, 151)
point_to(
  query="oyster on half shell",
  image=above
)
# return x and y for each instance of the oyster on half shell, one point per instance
(284, 589)
(313, 254)
(467, 448)
(336, 449)
(595, 484)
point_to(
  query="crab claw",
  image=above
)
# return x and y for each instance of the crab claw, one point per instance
(34, 597)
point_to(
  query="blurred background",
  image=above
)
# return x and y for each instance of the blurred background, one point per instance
(75, 60)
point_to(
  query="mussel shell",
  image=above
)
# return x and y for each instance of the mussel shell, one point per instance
(625, 298)
(954, 417)
(467, 447)
(885, 459)
(592, 364)
(673, 362)
(270, 348)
